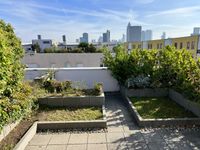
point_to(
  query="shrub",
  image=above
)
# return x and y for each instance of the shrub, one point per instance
(140, 81)
(15, 97)
(164, 68)
(11, 52)
(98, 88)
(18, 105)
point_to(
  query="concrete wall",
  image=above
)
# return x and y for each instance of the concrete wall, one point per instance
(87, 75)
(59, 60)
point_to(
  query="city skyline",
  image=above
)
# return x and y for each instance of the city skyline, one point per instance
(72, 18)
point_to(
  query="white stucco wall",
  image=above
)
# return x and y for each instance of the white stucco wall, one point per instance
(60, 60)
(86, 75)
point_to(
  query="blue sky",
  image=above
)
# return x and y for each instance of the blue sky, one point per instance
(53, 18)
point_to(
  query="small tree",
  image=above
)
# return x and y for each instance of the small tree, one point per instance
(83, 46)
(91, 49)
(36, 48)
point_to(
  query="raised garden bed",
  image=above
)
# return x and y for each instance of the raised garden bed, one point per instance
(69, 114)
(159, 108)
(73, 101)
(155, 113)
(54, 119)
(64, 118)
(61, 108)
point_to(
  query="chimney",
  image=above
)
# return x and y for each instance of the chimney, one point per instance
(64, 39)
(39, 37)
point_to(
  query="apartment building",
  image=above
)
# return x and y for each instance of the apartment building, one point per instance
(190, 43)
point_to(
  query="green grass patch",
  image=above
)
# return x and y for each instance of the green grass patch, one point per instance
(154, 108)
(69, 114)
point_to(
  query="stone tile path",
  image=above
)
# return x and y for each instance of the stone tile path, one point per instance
(122, 134)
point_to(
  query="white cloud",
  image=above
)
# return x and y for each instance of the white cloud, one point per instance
(186, 11)
(145, 1)
(42, 19)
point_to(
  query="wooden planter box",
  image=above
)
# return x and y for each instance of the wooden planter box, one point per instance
(173, 95)
(73, 101)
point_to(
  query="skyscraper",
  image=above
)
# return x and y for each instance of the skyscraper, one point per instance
(196, 31)
(84, 38)
(100, 40)
(146, 35)
(123, 38)
(163, 36)
(134, 33)
(64, 39)
(106, 37)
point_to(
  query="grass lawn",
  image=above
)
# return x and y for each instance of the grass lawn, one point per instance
(69, 114)
(154, 108)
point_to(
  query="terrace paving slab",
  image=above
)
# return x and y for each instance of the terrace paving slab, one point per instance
(97, 138)
(59, 139)
(122, 134)
(56, 147)
(97, 147)
(78, 138)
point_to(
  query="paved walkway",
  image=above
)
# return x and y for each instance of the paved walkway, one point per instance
(122, 134)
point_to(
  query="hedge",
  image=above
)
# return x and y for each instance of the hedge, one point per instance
(168, 67)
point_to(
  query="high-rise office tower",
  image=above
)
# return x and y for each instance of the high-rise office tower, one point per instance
(84, 38)
(196, 31)
(106, 37)
(134, 33)
(163, 36)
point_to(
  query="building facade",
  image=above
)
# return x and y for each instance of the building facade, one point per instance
(146, 35)
(196, 31)
(84, 38)
(43, 43)
(134, 33)
(190, 43)
(106, 37)
(62, 60)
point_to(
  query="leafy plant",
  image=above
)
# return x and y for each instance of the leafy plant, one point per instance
(168, 67)
(11, 52)
(140, 81)
(98, 88)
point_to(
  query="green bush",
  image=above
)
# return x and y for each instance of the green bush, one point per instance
(16, 98)
(11, 52)
(18, 105)
(166, 68)
(98, 88)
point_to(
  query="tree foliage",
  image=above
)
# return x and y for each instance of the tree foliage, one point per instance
(16, 98)
(11, 51)
(87, 48)
(36, 48)
(166, 68)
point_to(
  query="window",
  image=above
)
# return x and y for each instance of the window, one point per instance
(160, 45)
(181, 45)
(149, 46)
(46, 42)
(188, 45)
(192, 45)
(157, 46)
(175, 45)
